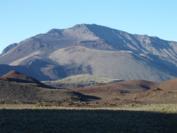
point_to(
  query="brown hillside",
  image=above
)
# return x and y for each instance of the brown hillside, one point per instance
(15, 92)
(169, 85)
(119, 92)
(16, 87)
(165, 92)
(16, 76)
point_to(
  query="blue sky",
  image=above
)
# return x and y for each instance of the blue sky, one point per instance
(20, 19)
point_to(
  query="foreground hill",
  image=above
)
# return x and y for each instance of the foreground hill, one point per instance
(165, 92)
(133, 91)
(82, 80)
(117, 93)
(18, 77)
(16, 87)
(169, 85)
(19, 88)
(95, 50)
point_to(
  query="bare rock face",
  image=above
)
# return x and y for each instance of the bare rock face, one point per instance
(94, 50)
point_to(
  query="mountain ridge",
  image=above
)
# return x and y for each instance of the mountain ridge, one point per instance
(78, 43)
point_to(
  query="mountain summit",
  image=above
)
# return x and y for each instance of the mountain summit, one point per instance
(95, 50)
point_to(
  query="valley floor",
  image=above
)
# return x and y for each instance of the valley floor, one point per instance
(159, 118)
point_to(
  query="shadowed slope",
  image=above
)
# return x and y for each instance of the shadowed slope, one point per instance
(18, 77)
(15, 76)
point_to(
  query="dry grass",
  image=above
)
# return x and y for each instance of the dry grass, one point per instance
(164, 108)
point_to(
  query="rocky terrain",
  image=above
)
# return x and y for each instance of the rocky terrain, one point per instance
(20, 89)
(95, 50)
(17, 88)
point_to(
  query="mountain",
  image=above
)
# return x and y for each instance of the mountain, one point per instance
(96, 50)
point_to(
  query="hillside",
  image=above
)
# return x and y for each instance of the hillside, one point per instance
(82, 80)
(18, 88)
(95, 50)
(164, 92)
(117, 93)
